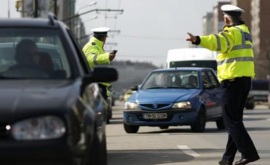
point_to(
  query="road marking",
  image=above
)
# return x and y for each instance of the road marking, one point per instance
(246, 116)
(164, 134)
(268, 119)
(188, 151)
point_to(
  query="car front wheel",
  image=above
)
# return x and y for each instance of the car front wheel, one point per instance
(131, 128)
(199, 125)
(97, 152)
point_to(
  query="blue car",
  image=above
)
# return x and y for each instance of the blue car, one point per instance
(175, 97)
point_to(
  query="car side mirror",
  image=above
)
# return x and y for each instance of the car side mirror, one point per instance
(101, 74)
(135, 88)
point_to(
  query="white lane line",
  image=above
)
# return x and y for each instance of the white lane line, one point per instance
(188, 151)
(268, 119)
(246, 116)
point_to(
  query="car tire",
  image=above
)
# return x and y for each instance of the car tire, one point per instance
(131, 128)
(97, 152)
(163, 127)
(109, 116)
(220, 123)
(199, 125)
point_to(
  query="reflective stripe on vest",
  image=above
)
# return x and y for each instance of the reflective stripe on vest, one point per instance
(237, 59)
(228, 43)
(95, 59)
(244, 45)
(218, 43)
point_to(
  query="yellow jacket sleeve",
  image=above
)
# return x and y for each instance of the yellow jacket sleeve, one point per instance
(94, 57)
(222, 42)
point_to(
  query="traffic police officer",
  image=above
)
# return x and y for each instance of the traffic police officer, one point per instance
(96, 55)
(235, 70)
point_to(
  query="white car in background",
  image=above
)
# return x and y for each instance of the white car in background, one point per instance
(192, 57)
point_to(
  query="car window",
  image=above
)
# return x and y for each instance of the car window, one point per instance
(172, 79)
(206, 80)
(33, 53)
(212, 78)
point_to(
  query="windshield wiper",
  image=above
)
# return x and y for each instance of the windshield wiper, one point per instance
(156, 88)
(9, 78)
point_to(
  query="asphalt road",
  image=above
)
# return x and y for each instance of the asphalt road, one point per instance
(178, 145)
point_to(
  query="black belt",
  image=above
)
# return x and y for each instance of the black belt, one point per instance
(237, 78)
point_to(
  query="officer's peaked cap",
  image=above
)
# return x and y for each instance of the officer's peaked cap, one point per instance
(232, 10)
(101, 30)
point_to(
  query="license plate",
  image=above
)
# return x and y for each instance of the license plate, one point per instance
(155, 116)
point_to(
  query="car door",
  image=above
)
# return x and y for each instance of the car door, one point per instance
(209, 95)
(215, 93)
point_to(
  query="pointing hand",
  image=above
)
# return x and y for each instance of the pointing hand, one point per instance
(191, 38)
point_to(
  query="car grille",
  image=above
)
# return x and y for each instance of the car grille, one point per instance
(151, 106)
(3, 132)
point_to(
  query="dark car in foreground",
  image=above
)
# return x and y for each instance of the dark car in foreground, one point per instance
(175, 97)
(51, 110)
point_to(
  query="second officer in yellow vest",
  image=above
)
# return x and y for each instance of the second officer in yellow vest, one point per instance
(235, 68)
(96, 55)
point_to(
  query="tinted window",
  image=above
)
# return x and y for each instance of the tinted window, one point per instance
(212, 78)
(206, 80)
(33, 53)
(172, 79)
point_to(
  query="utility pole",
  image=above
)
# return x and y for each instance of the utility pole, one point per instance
(35, 7)
(55, 8)
(8, 8)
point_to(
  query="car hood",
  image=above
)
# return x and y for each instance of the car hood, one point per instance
(162, 95)
(33, 96)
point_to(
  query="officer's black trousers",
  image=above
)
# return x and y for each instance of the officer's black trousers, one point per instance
(103, 91)
(233, 98)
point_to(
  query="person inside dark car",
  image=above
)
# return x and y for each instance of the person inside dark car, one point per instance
(192, 81)
(27, 53)
(27, 58)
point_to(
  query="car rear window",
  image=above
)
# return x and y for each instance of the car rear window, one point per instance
(33, 53)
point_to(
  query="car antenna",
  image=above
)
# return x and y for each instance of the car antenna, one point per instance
(52, 18)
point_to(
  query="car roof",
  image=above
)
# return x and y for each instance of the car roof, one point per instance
(181, 69)
(191, 54)
(41, 45)
(29, 22)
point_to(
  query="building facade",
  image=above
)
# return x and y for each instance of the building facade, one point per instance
(218, 21)
(64, 9)
(260, 24)
(208, 24)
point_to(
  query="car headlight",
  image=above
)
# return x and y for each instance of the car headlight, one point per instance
(182, 105)
(39, 128)
(131, 106)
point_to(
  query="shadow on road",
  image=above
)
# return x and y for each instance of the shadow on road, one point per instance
(147, 157)
(258, 129)
(254, 119)
(181, 130)
(257, 113)
(207, 130)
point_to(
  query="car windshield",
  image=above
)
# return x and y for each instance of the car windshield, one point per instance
(175, 79)
(202, 64)
(27, 53)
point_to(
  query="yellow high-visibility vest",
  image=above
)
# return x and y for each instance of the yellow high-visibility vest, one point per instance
(96, 55)
(236, 58)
